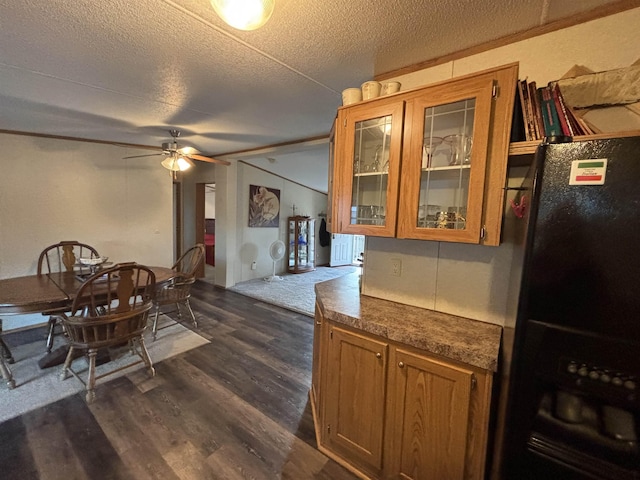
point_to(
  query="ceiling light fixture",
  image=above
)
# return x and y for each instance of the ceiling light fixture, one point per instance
(244, 14)
(176, 163)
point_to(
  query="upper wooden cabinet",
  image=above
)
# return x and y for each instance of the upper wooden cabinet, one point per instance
(428, 163)
(332, 155)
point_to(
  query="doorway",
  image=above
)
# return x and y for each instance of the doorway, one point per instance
(346, 249)
(205, 222)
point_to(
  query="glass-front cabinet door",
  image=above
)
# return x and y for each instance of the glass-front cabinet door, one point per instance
(444, 163)
(369, 172)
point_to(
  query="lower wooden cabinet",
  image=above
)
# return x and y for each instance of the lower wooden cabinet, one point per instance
(394, 412)
(355, 397)
(316, 369)
(428, 419)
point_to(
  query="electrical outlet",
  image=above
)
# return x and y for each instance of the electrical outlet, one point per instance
(396, 267)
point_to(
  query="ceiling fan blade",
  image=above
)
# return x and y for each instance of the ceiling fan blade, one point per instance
(208, 159)
(148, 155)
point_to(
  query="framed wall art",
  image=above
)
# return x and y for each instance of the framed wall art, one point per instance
(264, 206)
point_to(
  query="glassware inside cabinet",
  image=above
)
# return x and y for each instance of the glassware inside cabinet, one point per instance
(292, 242)
(446, 165)
(371, 171)
(302, 244)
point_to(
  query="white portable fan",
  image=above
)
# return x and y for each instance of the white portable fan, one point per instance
(276, 250)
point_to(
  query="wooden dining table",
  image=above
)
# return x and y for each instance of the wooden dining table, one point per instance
(47, 294)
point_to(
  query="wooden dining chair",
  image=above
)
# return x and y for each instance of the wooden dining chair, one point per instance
(177, 290)
(110, 310)
(61, 257)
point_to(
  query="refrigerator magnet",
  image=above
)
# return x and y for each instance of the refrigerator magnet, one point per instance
(588, 172)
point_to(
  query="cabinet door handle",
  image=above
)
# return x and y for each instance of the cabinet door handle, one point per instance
(401, 364)
(378, 355)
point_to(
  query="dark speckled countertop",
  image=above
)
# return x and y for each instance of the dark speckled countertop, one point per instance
(469, 341)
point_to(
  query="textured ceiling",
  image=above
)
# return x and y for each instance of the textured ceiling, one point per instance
(125, 71)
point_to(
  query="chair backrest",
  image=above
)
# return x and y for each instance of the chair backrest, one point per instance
(112, 305)
(63, 256)
(121, 288)
(190, 260)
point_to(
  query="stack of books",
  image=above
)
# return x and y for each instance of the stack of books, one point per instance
(542, 112)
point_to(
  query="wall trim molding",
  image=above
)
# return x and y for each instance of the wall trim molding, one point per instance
(78, 139)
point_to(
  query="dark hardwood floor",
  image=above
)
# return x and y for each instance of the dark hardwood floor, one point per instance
(236, 408)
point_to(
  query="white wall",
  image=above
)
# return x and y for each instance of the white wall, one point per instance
(604, 44)
(53, 190)
(209, 204)
(469, 280)
(253, 243)
(237, 245)
(226, 224)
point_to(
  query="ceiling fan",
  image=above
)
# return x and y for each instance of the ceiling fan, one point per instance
(180, 158)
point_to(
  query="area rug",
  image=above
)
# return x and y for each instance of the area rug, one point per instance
(293, 292)
(37, 387)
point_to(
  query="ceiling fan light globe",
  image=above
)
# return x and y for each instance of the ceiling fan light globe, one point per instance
(169, 164)
(244, 14)
(175, 164)
(183, 164)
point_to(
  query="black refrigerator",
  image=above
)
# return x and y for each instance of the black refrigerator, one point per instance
(573, 409)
